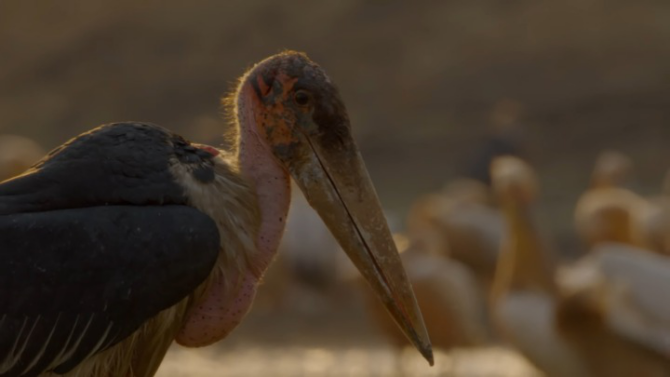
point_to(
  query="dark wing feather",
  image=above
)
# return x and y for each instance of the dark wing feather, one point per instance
(75, 282)
(116, 164)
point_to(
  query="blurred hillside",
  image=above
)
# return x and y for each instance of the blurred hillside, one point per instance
(419, 78)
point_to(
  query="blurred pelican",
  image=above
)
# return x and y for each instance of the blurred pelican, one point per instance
(630, 284)
(653, 221)
(17, 154)
(306, 276)
(462, 224)
(607, 212)
(309, 249)
(568, 331)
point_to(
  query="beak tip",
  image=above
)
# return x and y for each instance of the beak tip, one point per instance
(427, 353)
(429, 357)
(420, 341)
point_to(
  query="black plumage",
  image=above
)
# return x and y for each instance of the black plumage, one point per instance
(120, 163)
(94, 241)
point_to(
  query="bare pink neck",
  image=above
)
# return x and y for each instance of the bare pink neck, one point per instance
(224, 306)
(273, 189)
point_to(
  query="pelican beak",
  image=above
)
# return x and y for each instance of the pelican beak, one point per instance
(305, 124)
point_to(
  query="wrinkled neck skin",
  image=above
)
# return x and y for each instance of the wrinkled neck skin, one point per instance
(229, 298)
(273, 189)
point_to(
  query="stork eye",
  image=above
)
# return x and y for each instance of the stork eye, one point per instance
(302, 97)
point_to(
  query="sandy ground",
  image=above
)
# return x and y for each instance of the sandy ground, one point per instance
(259, 360)
(317, 336)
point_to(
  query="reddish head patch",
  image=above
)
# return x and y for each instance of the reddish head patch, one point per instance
(211, 150)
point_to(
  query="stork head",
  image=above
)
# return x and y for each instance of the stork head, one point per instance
(299, 116)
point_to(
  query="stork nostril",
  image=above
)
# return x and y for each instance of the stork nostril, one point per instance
(268, 79)
(262, 84)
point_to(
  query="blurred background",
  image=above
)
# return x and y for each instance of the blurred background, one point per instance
(429, 85)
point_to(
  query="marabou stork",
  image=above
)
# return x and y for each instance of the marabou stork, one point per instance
(129, 237)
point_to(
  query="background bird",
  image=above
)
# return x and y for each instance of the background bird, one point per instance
(608, 211)
(652, 230)
(564, 331)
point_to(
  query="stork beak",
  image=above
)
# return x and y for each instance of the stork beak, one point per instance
(312, 140)
(336, 183)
